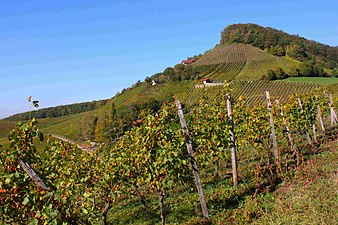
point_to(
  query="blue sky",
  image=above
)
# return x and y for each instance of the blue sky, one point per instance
(63, 52)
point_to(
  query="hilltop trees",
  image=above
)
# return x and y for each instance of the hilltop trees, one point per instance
(280, 43)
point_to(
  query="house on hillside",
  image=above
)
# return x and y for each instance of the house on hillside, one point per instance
(206, 82)
(153, 82)
(188, 61)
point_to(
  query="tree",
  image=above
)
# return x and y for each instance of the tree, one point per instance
(280, 74)
(88, 126)
(277, 50)
(100, 128)
(169, 72)
(308, 70)
(112, 130)
(296, 51)
(147, 80)
(335, 72)
(271, 75)
(294, 72)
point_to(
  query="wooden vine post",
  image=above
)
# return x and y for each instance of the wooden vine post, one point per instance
(193, 162)
(314, 132)
(313, 121)
(320, 117)
(334, 119)
(288, 131)
(306, 132)
(272, 125)
(161, 195)
(232, 142)
(36, 179)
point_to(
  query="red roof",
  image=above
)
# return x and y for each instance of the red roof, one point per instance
(137, 122)
(188, 61)
(204, 79)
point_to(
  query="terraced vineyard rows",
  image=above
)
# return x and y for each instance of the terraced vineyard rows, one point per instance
(254, 90)
(231, 71)
(223, 71)
(230, 54)
(254, 69)
(240, 62)
(216, 70)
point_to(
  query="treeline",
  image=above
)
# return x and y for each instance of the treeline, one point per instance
(280, 43)
(305, 70)
(58, 111)
(179, 72)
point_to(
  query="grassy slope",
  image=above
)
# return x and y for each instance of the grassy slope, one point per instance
(308, 197)
(5, 126)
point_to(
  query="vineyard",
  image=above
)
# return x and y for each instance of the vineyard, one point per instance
(252, 92)
(178, 166)
(240, 62)
(222, 71)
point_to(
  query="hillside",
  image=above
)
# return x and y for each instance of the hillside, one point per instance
(243, 62)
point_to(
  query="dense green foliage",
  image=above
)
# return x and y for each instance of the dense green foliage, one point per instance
(304, 70)
(280, 43)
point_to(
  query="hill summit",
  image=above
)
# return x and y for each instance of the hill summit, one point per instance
(279, 43)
